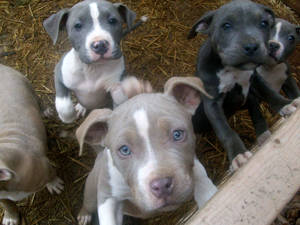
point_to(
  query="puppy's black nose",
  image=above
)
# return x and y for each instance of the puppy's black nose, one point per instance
(274, 46)
(162, 187)
(251, 48)
(100, 47)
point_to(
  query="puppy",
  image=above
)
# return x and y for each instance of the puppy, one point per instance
(24, 167)
(283, 40)
(95, 63)
(238, 35)
(148, 165)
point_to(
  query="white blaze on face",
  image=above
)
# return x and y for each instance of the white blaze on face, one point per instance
(142, 124)
(276, 39)
(97, 33)
(278, 28)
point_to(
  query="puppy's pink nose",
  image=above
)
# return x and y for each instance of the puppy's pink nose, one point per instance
(100, 47)
(162, 187)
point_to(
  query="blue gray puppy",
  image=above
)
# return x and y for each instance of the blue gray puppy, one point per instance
(284, 37)
(95, 63)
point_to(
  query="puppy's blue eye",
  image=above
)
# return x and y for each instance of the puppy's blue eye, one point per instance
(125, 150)
(291, 38)
(178, 135)
(264, 24)
(78, 26)
(226, 26)
(112, 21)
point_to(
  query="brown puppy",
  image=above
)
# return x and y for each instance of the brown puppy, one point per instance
(24, 167)
(149, 165)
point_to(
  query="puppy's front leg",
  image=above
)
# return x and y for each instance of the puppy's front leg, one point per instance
(282, 105)
(63, 102)
(235, 148)
(109, 212)
(11, 215)
(204, 187)
(291, 88)
(260, 125)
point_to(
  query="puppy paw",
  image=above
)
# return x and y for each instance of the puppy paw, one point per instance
(290, 108)
(240, 160)
(84, 217)
(263, 137)
(9, 219)
(65, 109)
(56, 185)
(128, 88)
(47, 112)
(81, 111)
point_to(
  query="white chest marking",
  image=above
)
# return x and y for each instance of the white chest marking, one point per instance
(107, 212)
(119, 188)
(275, 76)
(77, 75)
(14, 196)
(230, 76)
(204, 188)
(142, 124)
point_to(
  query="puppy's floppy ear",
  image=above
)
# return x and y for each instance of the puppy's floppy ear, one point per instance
(127, 14)
(94, 128)
(202, 25)
(187, 91)
(55, 22)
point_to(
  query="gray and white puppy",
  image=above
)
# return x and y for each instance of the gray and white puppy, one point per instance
(24, 167)
(149, 165)
(95, 62)
(284, 38)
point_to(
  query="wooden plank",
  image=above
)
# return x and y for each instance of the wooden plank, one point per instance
(293, 4)
(257, 192)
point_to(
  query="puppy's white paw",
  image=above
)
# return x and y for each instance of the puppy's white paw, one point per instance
(9, 219)
(240, 160)
(263, 137)
(84, 217)
(81, 111)
(290, 108)
(65, 109)
(56, 185)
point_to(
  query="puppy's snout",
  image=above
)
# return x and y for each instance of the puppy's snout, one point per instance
(100, 47)
(251, 48)
(274, 46)
(162, 187)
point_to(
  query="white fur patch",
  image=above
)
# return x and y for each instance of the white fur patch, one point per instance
(107, 212)
(204, 187)
(7, 220)
(278, 29)
(275, 76)
(119, 188)
(15, 195)
(230, 76)
(97, 33)
(65, 109)
(276, 39)
(142, 124)
(70, 65)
